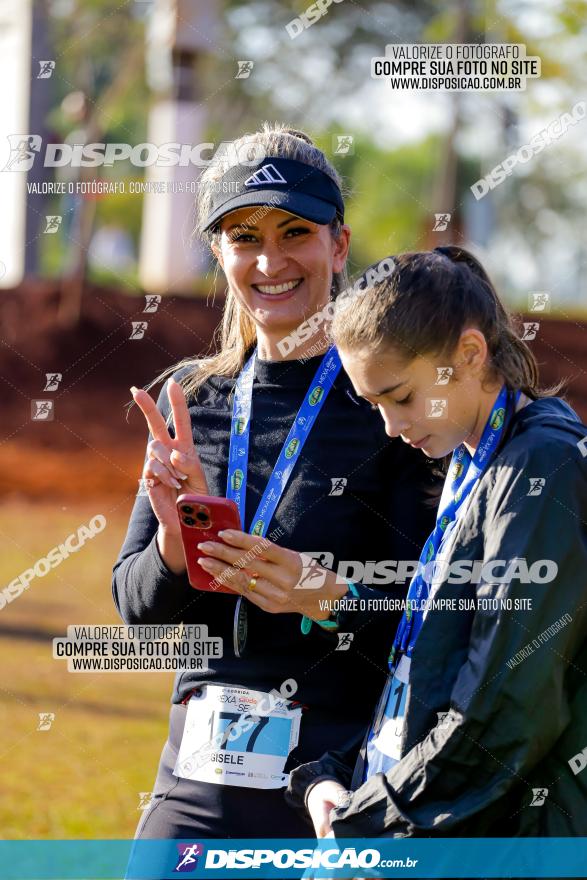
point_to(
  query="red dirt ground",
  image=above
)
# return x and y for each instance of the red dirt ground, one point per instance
(90, 447)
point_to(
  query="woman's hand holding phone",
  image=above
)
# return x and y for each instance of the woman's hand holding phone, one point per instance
(172, 468)
(285, 581)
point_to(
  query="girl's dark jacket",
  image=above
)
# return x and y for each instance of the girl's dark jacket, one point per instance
(513, 682)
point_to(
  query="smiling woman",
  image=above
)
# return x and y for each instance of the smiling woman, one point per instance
(279, 265)
(242, 209)
(280, 433)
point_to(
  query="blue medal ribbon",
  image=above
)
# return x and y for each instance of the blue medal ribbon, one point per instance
(463, 473)
(238, 454)
(385, 736)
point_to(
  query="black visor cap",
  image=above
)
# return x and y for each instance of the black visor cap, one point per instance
(283, 184)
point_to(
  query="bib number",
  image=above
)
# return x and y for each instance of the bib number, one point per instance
(389, 737)
(236, 736)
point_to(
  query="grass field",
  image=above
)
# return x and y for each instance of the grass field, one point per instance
(82, 777)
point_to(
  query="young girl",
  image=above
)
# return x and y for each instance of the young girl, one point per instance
(482, 726)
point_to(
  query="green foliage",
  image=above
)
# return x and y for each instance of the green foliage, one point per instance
(319, 82)
(387, 196)
(90, 47)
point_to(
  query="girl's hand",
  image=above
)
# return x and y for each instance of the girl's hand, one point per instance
(322, 799)
(172, 465)
(286, 581)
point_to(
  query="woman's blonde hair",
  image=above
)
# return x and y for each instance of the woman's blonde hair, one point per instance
(236, 335)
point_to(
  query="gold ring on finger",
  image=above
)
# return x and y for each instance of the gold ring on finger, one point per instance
(251, 585)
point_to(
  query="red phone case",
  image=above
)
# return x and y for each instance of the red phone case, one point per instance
(208, 516)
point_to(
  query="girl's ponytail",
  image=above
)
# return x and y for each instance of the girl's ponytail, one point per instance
(510, 355)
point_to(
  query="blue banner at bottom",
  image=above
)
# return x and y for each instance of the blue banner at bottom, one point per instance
(294, 858)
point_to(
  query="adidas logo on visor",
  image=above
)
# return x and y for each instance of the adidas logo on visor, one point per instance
(266, 174)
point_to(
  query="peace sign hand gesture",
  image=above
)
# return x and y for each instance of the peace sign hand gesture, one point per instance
(171, 461)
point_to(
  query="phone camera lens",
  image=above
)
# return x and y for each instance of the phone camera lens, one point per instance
(187, 508)
(203, 517)
(189, 521)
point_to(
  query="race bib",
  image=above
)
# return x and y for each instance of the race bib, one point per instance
(236, 736)
(387, 740)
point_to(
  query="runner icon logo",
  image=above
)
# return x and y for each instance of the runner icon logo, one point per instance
(188, 856)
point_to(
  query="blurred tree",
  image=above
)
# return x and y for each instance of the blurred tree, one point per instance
(99, 53)
(321, 81)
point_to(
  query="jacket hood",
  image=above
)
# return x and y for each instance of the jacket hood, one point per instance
(554, 416)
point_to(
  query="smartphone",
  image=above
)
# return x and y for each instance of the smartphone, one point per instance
(201, 517)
